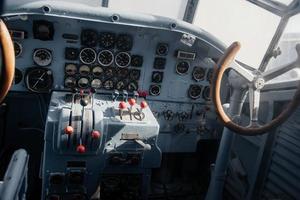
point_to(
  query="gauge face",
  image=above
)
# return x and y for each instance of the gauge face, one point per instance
(122, 72)
(83, 82)
(206, 93)
(39, 80)
(162, 49)
(18, 76)
(132, 86)
(89, 38)
(182, 67)
(105, 58)
(18, 49)
(70, 69)
(96, 83)
(87, 56)
(109, 72)
(136, 61)
(108, 85)
(107, 40)
(209, 75)
(124, 42)
(97, 71)
(42, 57)
(122, 59)
(70, 82)
(198, 73)
(134, 74)
(157, 76)
(194, 91)
(120, 85)
(154, 90)
(84, 70)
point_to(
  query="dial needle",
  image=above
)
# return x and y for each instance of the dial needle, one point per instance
(39, 79)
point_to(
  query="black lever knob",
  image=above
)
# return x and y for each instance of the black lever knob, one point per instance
(84, 102)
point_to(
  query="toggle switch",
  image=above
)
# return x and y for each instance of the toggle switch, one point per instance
(131, 102)
(115, 95)
(80, 149)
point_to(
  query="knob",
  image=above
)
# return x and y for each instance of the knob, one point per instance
(131, 101)
(96, 134)
(122, 105)
(144, 105)
(69, 130)
(84, 102)
(80, 148)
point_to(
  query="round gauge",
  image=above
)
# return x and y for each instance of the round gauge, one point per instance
(120, 85)
(198, 73)
(162, 49)
(109, 72)
(96, 83)
(89, 38)
(70, 82)
(194, 91)
(84, 70)
(107, 40)
(105, 58)
(18, 48)
(124, 42)
(42, 57)
(108, 85)
(182, 67)
(83, 82)
(87, 56)
(39, 80)
(70, 69)
(97, 71)
(206, 93)
(154, 90)
(157, 76)
(18, 76)
(132, 86)
(134, 74)
(122, 59)
(209, 75)
(136, 61)
(122, 73)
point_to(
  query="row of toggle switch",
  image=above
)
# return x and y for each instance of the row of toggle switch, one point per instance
(139, 115)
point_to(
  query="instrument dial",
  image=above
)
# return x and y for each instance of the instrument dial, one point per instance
(124, 42)
(97, 71)
(122, 73)
(132, 86)
(134, 74)
(83, 82)
(87, 56)
(206, 93)
(194, 91)
(42, 57)
(39, 80)
(209, 75)
(70, 69)
(109, 72)
(70, 82)
(96, 83)
(105, 58)
(107, 40)
(108, 85)
(122, 59)
(198, 73)
(154, 90)
(84, 70)
(120, 85)
(182, 67)
(89, 38)
(18, 49)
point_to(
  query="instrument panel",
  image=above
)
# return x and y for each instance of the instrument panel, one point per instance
(55, 53)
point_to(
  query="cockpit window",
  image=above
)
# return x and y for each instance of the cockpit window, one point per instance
(168, 8)
(239, 20)
(285, 52)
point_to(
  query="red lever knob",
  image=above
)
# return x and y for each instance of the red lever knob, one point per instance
(131, 102)
(96, 134)
(144, 104)
(80, 148)
(69, 130)
(122, 105)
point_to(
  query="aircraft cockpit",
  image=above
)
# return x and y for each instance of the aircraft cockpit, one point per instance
(149, 100)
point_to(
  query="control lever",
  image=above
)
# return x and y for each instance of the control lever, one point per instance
(147, 147)
(135, 95)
